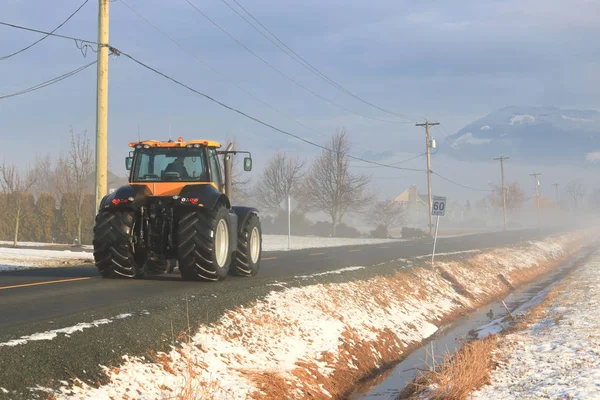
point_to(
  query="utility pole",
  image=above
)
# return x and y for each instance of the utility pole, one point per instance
(502, 158)
(102, 103)
(556, 185)
(537, 194)
(427, 124)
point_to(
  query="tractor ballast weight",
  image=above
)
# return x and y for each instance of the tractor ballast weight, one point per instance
(175, 210)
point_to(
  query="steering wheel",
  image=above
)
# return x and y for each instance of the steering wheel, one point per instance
(151, 176)
(171, 176)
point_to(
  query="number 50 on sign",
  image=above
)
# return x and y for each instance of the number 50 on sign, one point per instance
(439, 206)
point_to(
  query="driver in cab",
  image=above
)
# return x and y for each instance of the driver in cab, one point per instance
(178, 167)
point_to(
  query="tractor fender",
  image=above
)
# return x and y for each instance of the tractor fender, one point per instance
(207, 195)
(122, 197)
(243, 213)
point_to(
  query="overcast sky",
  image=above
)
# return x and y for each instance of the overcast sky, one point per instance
(452, 61)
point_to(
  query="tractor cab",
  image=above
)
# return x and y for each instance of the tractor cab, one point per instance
(165, 167)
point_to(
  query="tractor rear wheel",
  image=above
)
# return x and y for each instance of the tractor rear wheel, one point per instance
(203, 244)
(114, 252)
(249, 248)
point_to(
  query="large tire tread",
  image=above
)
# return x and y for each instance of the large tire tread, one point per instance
(196, 247)
(243, 262)
(113, 252)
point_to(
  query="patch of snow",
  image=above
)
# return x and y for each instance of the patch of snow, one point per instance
(558, 356)
(578, 119)
(522, 119)
(14, 259)
(593, 156)
(485, 128)
(468, 138)
(334, 272)
(68, 331)
(279, 242)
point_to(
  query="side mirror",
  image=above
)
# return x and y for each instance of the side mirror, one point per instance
(247, 164)
(128, 163)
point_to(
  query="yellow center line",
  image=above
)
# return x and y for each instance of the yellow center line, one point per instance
(44, 283)
(354, 250)
(317, 254)
(269, 258)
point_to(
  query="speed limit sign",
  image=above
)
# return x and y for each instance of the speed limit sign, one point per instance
(439, 206)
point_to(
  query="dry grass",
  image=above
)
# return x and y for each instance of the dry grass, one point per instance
(469, 369)
(457, 374)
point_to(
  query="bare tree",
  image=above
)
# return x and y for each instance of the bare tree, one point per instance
(279, 179)
(15, 184)
(576, 189)
(386, 215)
(73, 171)
(330, 186)
(515, 197)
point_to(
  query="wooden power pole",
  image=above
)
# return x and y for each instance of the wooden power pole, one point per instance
(102, 103)
(427, 124)
(502, 158)
(537, 194)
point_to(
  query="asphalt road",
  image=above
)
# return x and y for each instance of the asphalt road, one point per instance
(41, 300)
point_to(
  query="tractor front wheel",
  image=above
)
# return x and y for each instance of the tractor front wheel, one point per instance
(249, 248)
(203, 238)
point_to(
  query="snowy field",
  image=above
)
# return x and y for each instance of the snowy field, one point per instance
(14, 259)
(558, 357)
(279, 242)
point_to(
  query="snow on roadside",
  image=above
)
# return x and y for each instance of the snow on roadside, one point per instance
(316, 341)
(279, 242)
(14, 259)
(558, 357)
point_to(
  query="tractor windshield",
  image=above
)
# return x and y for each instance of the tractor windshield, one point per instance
(170, 164)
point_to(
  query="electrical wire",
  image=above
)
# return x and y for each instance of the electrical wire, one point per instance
(48, 82)
(225, 78)
(254, 118)
(459, 184)
(298, 58)
(283, 74)
(394, 163)
(51, 34)
(6, 57)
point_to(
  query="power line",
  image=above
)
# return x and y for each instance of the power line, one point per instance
(302, 61)
(183, 48)
(394, 163)
(52, 34)
(459, 184)
(118, 52)
(254, 118)
(6, 57)
(48, 82)
(283, 74)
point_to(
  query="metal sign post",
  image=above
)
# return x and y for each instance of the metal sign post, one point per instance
(438, 209)
(289, 208)
(288, 205)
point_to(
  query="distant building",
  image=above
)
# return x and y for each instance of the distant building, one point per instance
(416, 206)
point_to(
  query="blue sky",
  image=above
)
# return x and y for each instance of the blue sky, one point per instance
(453, 61)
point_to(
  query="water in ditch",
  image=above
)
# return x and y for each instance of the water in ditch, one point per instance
(390, 383)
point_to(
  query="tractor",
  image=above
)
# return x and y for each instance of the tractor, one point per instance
(176, 210)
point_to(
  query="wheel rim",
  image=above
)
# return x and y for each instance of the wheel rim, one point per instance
(254, 245)
(221, 242)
